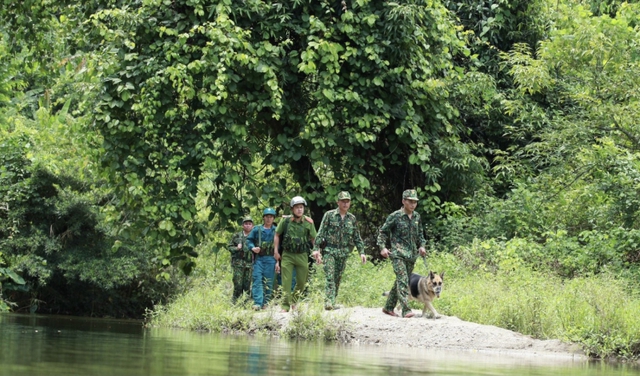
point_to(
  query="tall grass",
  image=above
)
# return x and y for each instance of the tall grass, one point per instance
(598, 312)
(206, 305)
(309, 320)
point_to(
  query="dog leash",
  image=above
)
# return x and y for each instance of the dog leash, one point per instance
(424, 258)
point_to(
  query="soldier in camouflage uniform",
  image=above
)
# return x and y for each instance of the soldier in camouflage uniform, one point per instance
(403, 231)
(297, 234)
(337, 236)
(241, 259)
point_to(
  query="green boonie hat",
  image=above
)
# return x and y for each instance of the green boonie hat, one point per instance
(344, 195)
(410, 194)
(247, 218)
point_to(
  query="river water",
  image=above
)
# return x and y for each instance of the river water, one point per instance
(62, 345)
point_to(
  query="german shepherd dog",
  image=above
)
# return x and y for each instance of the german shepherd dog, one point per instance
(425, 289)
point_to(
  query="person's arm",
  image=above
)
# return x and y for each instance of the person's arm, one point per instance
(312, 231)
(312, 238)
(423, 241)
(321, 231)
(251, 239)
(357, 240)
(383, 235)
(276, 240)
(235, 244)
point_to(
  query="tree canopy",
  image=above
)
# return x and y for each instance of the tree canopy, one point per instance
(355, 96)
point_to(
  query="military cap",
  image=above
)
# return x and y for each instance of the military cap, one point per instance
(344, 195)
(247, 218)
(410, 194)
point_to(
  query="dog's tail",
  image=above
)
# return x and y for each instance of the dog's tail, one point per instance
(386, 293)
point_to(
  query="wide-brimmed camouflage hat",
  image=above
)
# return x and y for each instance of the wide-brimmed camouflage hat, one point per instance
(344, 195)
(410, 194)
(247, 218)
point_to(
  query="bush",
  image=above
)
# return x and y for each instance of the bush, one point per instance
(53, 234)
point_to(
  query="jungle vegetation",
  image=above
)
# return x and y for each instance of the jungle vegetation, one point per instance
(134, 135)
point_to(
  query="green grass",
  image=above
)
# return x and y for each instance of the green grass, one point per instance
(205, 305)
(598, 312)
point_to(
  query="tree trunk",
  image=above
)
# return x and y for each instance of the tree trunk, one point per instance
(310, 183)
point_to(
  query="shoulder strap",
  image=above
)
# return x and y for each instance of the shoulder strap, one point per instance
(260, 236)
(285, 227)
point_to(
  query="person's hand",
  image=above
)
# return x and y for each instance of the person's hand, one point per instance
(255, 250)
(276, 254)
(423, 252)
(239, 246)
(316, 255)
(277, 267)
(364, 258)
(384, 253)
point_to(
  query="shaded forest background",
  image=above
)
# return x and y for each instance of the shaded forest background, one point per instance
(133, 135)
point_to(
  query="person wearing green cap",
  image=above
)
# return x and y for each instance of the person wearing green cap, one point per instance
(337, 236)
(241, 259)
(403, 231)
(260, 242)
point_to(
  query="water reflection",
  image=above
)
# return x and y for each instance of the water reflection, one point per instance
(46, 345)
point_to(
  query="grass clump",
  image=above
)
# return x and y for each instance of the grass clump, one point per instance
(205, 303)
(309, 320)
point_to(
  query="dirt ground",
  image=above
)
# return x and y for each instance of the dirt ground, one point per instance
(371, 326)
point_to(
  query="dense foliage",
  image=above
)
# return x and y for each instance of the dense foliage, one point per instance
(349, 97)
(58, 254)
(134, 134)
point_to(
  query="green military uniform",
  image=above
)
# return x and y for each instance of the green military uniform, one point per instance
(405, 235)
(295, 255)
(339, 236)
(241, 262)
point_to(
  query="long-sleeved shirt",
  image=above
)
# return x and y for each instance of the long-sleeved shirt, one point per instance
(341, 234)
(243, 254)
(402, 235)
(263, 238)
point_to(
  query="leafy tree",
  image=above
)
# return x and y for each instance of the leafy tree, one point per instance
(52, 233)
(494, 27)
(353, 95)
(576, 193)
(58, 253)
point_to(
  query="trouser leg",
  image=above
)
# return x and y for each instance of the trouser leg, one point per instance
(302, 272)
(329, 264)
(236, 278)
(402, 269)
(257, 291)
(286, 270)
(341, 263)
(268, 272)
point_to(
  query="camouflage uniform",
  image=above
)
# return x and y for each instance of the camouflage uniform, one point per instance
(405, 235)
(240, 264)
(341, 236)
